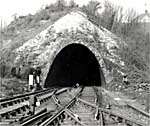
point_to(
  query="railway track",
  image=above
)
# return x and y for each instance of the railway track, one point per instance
(77, 106)
(45, 114)
(81, 111)
(64, 102)
(108, 117)
(128, 108)
(13, 109)
(18, 103)
(85, 109)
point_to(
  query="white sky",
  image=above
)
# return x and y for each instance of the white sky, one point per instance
(24, 7)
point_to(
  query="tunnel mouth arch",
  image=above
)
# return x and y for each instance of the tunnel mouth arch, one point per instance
(75, 63)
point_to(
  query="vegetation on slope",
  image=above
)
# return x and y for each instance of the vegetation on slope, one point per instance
(135, 54)
(24, 28)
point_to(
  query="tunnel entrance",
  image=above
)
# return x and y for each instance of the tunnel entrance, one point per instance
(74, 64)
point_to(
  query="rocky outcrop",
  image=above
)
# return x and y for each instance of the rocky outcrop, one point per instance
(72, 28)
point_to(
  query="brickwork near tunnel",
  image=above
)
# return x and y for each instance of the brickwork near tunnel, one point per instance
(43, 49)
(66, 39)
(62, 42)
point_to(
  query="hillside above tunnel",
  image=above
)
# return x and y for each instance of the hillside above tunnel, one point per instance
(72, 28)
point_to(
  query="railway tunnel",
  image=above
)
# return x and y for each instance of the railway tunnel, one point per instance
(75, 63)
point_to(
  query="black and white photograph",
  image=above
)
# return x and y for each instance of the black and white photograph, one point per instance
(74, 62)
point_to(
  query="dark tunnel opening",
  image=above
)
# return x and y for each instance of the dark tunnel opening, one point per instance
(74, 64)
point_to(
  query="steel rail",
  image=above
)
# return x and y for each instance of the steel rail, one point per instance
(68, 111)
(71, 115)
(28, 120)
(42, 114)
(138, 110)
(5, 100)
(9, 106)
(22, 106)
(99, 104)
(51, 119)
(112, 113)
(36, 117)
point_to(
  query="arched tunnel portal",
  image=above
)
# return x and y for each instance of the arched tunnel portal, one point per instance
(75, 63)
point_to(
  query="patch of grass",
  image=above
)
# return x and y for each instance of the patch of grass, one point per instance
(12, 86)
